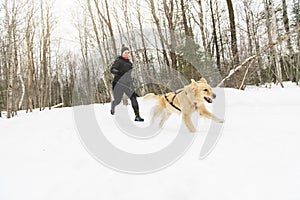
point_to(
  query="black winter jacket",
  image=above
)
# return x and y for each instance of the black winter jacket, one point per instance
(121, 69)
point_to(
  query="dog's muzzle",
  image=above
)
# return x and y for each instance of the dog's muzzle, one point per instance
(209, 100)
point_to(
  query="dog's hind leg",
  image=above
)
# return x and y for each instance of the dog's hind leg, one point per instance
(157, 111)
(164, 118)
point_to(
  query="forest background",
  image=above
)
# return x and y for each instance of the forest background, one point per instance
(48, 58)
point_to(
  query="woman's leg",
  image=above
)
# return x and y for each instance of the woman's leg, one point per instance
(118, 92)
(135, 106)
(134, 103)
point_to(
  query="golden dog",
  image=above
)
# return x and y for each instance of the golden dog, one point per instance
(187, 100)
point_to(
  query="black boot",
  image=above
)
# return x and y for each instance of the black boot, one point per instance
(137, 116)
(112, 109)
(138, 119)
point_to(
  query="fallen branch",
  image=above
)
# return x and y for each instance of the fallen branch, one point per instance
(58, 105)
(270, 46)
(236, 69)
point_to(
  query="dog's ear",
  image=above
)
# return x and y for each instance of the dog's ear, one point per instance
(193, 81)
(202, 80)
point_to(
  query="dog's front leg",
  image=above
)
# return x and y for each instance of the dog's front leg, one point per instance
(188, 122)
(205, 113)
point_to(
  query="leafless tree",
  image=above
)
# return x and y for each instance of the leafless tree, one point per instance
(269, 14)
(29, 35)
(159, 30)
(234, 48)
(215, 37)
(10, 24)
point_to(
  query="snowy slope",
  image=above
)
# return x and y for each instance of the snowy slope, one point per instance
(257, 156)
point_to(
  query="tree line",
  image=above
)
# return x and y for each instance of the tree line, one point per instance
(230, 43)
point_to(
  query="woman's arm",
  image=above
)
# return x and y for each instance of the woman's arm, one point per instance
(115, 68)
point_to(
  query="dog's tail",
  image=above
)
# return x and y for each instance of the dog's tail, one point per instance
(151, 96)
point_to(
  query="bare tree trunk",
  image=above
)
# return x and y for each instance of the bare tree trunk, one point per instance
(2, 81)
(296, 11)
(248, 23)
(222, 49)
(257, 46)
(1, 102)
(146, 61)
(129, 35)
(215, 37)
(9, 25)
(297, 18)
(274, 61)
(201, 25)
(60, 82)
(160, 34)
(108, 22)
(234, 48)
(38, 80)
(286, 25)
(139, 17)
(95, 28)
(44, 60)
(10, 92)
(184, 18)
(169, 13)
(105, 42)
(10, 88)
(119, 25)
(50, 77)
(83, 30)
(251, 39)
(16, 63)
(23, 88)
(29, 41)
(289, 66)
(103, 64)
(1, 87)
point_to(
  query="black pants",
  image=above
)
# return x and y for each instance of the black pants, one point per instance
(119, 89)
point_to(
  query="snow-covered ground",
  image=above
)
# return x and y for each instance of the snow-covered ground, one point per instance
(257, 156)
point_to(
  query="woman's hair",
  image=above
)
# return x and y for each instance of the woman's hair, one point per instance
(124, 48)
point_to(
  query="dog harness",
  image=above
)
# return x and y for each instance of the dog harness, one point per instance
(171, 102)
